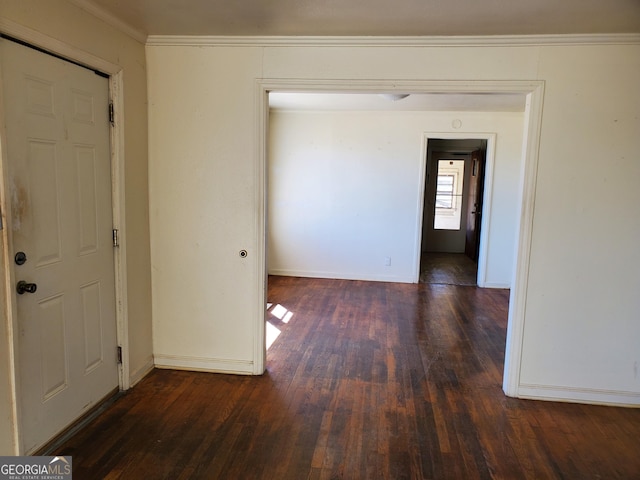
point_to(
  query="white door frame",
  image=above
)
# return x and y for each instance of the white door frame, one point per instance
(481, 279)
(116, 97)
(534, 92)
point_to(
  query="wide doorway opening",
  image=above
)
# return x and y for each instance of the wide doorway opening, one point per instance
(531, 92)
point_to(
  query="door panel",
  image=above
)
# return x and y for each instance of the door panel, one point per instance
(59, 175)
(42, 165)
(53, 346)
(87, 196)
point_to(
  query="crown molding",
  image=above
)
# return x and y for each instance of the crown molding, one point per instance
(110, 19)
(427, 41)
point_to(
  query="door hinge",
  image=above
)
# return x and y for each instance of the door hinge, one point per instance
(116, 239)
(119, 354)
(111, 115)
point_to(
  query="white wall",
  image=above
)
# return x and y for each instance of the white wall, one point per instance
(71, 28)
(581, 317)
(202, 183)
(583, 306)
(345, 191)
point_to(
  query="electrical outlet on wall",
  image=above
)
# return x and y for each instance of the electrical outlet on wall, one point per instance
(387, 261)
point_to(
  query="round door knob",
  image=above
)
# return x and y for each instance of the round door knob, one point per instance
(24, 287)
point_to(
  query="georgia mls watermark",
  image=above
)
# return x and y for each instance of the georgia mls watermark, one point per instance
(35, 468)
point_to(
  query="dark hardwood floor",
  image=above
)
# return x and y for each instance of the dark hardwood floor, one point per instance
(448, 269)
(365, 381)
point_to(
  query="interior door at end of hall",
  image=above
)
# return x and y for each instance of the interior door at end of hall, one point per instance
(474, 204)
(59, 180)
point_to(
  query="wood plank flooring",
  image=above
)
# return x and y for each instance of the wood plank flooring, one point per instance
(366, 380)
(448, 268)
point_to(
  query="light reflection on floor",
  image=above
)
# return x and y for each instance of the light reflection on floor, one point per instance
(276, 315)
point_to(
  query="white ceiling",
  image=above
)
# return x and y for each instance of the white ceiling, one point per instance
(415, 102)
(372, 17)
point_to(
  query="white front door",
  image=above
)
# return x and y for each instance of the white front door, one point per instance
(59, 179)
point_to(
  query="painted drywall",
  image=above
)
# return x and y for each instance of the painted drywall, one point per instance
(345, 191)
(72, 26)
(583, 308)
(581, 316)
(203, 213)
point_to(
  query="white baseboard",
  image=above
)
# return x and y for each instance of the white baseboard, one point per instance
(341, 275)
(495, 285)
(579, 395)
(202, 364)
(141, 372)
